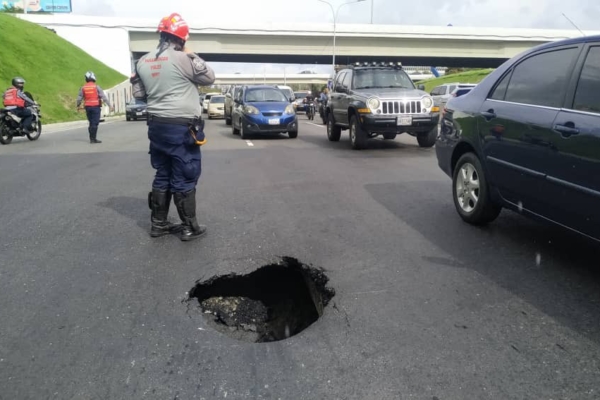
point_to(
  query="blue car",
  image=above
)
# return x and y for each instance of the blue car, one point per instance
(263, 110)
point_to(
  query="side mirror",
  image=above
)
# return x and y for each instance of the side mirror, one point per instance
(420, 86)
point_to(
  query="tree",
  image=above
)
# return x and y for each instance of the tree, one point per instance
(11, 9)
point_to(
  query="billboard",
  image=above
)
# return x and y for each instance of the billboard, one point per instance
(33, 6)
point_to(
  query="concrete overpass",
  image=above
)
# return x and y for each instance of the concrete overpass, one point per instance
(282, 79)
(312, 43)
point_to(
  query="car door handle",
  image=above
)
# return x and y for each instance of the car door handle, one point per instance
(489, 114)
(565, 130)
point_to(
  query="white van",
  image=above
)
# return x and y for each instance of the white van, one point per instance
(289, 92)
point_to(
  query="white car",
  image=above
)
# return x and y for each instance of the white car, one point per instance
(206, 100)
(216, 107)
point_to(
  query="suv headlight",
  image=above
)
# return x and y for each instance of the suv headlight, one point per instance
(290, 109)
(427, 102)
(251, 110)
(373, 103)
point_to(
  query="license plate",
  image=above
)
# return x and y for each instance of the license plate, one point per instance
(274, 121)
(403, 121)
(139, 113)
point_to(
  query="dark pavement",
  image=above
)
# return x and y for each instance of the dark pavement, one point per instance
(427, 307)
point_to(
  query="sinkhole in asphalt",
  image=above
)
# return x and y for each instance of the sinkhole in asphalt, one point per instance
(272, 303)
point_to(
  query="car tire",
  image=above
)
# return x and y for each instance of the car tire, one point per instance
(227, 120)
(293, 134)
(427, 139)
(243, 134)
(128, 118)
(334, 133)
(389, 136)
(358, 136)
(470, 192)
(234, 130)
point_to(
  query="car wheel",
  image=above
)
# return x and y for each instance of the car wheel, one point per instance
(234, 130)
(293, 134)
(333, 132)
(470, 192)
(358, 136)
(243, 134)
(128, 118)
(389, 136)
(427, 139)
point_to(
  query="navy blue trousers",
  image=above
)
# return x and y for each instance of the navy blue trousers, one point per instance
(93, 116)
(174, 156)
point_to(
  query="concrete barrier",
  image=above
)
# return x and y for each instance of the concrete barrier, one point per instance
(119, 96)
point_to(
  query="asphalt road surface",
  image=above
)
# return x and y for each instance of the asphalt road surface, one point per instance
(426, 307)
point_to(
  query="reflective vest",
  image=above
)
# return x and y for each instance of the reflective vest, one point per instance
(90, 95)
(12, 99)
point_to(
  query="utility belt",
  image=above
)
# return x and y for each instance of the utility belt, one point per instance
(195, 126)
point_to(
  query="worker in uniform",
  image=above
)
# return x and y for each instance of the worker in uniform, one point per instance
(167, 80)
(92, 96)
(16, 101)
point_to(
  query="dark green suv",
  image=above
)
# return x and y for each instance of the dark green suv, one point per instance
(380, 99)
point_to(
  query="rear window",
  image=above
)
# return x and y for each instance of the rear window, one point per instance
(217, 99)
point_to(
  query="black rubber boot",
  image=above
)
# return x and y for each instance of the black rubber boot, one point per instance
(93, 133)
(186, 207)
(159, 202)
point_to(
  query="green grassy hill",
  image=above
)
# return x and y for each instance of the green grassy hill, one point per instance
(463, 77)
(53, 68)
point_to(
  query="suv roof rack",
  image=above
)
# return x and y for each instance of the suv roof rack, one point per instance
(366, 64)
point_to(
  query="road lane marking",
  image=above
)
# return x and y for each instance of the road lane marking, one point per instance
(249, 143)
(320, 126)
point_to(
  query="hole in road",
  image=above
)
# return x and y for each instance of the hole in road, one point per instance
(273, 303)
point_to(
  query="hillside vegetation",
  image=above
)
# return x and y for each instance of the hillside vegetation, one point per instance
(475, 76)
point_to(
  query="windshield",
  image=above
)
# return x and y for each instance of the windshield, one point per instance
(136, 102)
(300, 95)
(265, 94)
(382, 78)
(217, 99)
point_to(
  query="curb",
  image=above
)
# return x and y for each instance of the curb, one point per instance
(65, 126)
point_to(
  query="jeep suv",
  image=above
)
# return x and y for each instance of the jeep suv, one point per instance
(380, 99)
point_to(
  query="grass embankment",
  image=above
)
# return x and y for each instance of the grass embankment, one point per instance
(53, 68)
(475, 76)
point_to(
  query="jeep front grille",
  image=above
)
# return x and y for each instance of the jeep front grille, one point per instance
(401, 107)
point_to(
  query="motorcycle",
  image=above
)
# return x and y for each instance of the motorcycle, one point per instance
(322, 108)
(10, 124)
(310, 110)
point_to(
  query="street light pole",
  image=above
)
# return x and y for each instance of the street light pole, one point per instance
(335, 14)
(372, 1)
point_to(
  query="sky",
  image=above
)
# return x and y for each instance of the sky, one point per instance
(545, 14)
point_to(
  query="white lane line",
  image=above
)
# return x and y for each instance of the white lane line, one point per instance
(249, 143)
(320, 126)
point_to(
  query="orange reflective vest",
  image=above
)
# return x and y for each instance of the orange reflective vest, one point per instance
(90, 95)
(12, 99)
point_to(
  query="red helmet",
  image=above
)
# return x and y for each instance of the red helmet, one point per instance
(175, 25)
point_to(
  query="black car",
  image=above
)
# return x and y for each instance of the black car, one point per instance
(527, 138)
(380, 99)
(135, 109)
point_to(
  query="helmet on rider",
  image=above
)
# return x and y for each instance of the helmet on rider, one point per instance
(18, 82)
(90, 77)
(174, 25)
